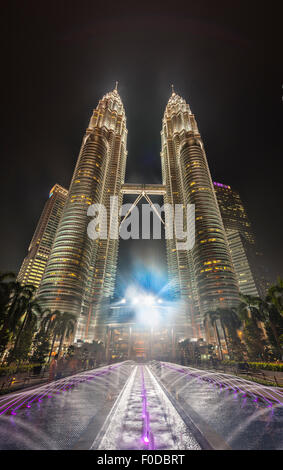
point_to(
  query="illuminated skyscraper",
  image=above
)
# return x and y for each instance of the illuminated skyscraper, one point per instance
(34, 264)
(80, 272)
(247, 259)
(205, 275)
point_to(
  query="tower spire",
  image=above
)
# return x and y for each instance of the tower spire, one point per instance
(173, 91)
(116, 86)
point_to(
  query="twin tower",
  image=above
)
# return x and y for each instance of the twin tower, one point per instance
(80, 272)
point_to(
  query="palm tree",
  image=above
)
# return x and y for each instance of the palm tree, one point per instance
(272, 319)
(53, 327)
(12, 292)
(33, 312)
(5, 293)
(15, 308)
(48, 321)
(275, 295)
(41, 343)
(29, 321)
(222, 316)
(45, 322)
(251, 313)
(230, 323)
(66, 328)
(249, 307)
(212, 316)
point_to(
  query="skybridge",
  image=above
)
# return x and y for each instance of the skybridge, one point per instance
(144, 189)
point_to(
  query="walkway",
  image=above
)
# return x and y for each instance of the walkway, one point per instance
(144, 418)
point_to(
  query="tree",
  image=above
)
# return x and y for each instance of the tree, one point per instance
(41, 347)
(213, 316)
(22, 351)
(251, 315)
(26, 331)
(275, 295)
(66, 327)
(5, 293)
(231, 323)
(46, 321)
(13, 311)
(273, 321)
(52, 322)
(70, 351)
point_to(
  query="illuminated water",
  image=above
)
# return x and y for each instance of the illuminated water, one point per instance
(63, 417)
(125, 407)
(243, 422)
(145, 419)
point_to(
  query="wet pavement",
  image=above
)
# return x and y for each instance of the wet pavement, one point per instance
(241, 419)
(144, 418)
(145, 407)
(64, 415)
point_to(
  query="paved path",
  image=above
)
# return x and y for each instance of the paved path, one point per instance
(144, 418)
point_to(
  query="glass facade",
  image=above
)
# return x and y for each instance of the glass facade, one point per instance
(247, 259)
(34, 264)
(80, 272)
(204, 276)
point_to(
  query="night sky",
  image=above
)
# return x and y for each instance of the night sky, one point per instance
(60, 58)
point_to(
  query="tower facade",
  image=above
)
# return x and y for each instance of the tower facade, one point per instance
(204, 276)
(80, 272)
(34, 264)
(246, 257)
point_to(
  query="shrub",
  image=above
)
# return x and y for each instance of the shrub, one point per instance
(9, 370)
(258, 365)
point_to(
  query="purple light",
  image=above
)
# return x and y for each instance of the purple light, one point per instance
(26, 398)
(202, 376)
(145, 414)
(221, 185)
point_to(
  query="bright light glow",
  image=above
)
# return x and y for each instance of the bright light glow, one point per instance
(148, 300)
(123, 301)
(149, 316)
(142, 299)
(148, 307)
